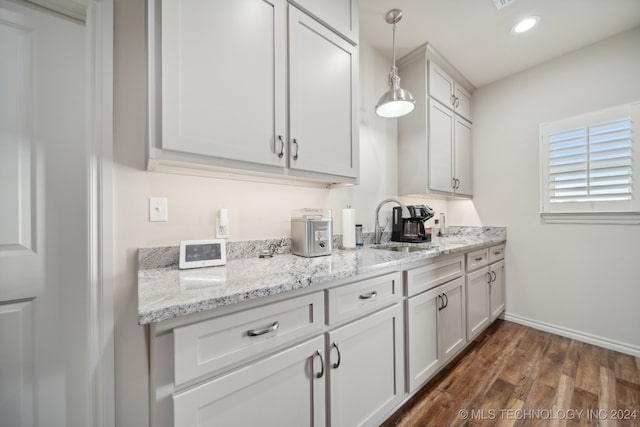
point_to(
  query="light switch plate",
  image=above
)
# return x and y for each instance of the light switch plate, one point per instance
(158, 209)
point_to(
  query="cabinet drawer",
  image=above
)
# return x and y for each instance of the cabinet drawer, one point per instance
(214, 344)
(261, 393)
(423, 278)
(496, 253)
(355, 299)
(477, 259)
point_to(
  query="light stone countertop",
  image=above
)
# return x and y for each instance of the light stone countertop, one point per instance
(167, 292)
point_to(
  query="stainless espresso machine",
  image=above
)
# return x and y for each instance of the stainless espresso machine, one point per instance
(411, 229)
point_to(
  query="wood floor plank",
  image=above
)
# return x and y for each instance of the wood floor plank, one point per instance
(588, 374)
(508, 417)
(582, 400)
(625, 368)
(572, 359)
(540, 397)
(562, 403)
(607, 395)
(512, 376)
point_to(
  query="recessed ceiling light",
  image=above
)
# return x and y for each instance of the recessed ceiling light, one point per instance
(525, 24)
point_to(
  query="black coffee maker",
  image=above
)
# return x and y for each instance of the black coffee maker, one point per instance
(411, 229)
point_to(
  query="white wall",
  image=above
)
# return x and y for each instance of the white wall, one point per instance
(256, 210)
(580, 277)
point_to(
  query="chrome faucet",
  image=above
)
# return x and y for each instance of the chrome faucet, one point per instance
(378, 231)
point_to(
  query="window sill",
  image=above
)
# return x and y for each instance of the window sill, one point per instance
(626, 218)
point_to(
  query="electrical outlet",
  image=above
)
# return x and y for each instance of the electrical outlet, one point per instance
(222, 231)
(158, 209)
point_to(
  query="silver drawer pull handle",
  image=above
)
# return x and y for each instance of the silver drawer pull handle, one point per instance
(479, 259)
(321, 373)
(497, 252)
(258, 332)
(369, 295)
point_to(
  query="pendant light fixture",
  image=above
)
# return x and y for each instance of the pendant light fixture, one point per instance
(396, 101)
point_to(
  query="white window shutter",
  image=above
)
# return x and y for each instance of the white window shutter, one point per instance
(591, 163)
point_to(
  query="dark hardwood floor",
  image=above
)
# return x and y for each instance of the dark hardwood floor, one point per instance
(513, 375)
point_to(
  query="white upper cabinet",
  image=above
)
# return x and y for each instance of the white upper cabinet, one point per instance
(340, 15)
(223, 79)
(322, 76)
(462, 158)
(449, 92)
(434, 141)
(256, 87)
(441, 127)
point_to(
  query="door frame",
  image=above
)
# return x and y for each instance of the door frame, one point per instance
(99, 128)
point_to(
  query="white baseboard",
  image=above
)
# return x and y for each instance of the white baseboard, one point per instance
(576, 335)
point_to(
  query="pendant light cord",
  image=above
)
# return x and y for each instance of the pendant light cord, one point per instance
(394, 45)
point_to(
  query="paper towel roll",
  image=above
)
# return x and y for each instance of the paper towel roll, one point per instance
(349, 228)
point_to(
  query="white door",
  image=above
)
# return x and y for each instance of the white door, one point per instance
(441, 124)
(477, 302)
(322, 92)
(497, 289)
(452, 327)
(424, 357)
(223, 79)
(44, 303)
(366, 369)
(462, 157)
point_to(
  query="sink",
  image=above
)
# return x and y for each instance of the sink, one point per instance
(406, 248)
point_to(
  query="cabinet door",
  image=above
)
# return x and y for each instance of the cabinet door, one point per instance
(441, 85)
(477, 302)
(423, 356)
(341, 15)
(280, 390)
(441, 125)
(224, 79)
(366, 369)
(323, 97)
(463, 157)
(463, 102)
(452, 318)
(497, 289)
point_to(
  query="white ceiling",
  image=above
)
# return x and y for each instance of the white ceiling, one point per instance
(475, 37)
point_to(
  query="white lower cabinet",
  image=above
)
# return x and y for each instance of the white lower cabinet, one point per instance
(436, 330)
(366, 369)
(485, 289)
(345, 356)
(285, 389)
(478, 316)
(496, 289)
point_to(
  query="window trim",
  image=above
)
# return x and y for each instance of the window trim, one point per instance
(591, 212)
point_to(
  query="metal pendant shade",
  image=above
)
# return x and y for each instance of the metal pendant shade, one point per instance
(396, 101)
